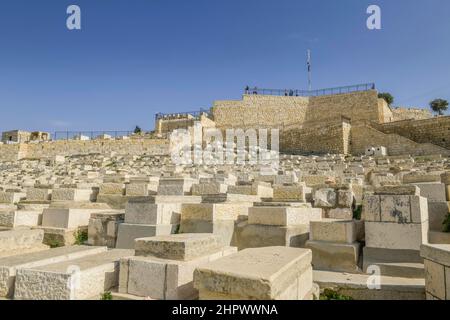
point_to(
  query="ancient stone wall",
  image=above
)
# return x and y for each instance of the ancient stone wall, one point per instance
(364, 135)
(261, 111)
(75, 147)
(167, 125)
(400, 113)
(354, 106)
(9, 152)
(321, 139)
(434, 130)
(386, 112)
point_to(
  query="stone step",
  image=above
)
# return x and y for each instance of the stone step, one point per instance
(76, 279)
(9, 265)
(356, 286)
(399, 269)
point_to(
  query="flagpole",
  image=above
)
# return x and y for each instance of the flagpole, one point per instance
(309, 70)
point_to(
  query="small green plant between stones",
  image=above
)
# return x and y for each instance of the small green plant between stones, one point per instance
(329, 294)
(81, 236)
(357, 213)
(446, 224)
(53, 243)
(107, 295)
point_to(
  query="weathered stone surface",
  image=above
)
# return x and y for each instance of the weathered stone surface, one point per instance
(127, 233)
(65, 218)
(70, 194)
(38, 194)
(212, 212)
(342, 257)
(262, 273)
(283, 216)
(432, 191)
(325, 198)
(88, 277)
(395, 236)
(9, 265)
(11, 197)
(164, 278)
(398, 190)
(15, 240)
(18, 218)
(183, 247)
(142, 211)
(103, 228)
(289, 193)
(332, 230)
(257, 236)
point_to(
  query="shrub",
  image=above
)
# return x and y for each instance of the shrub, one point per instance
(329, 294)
(81, 236)
(439, 106)
(106, 296)
(387, 97)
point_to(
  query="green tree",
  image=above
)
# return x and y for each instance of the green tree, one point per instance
(387, 97)
(137, 130)
(439, 106)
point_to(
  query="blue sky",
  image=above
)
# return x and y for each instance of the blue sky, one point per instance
(137, 57)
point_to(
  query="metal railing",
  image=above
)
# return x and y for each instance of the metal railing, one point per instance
(89, 135)
(174, 115)
(310, 93)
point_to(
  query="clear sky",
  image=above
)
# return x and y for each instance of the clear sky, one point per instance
(134, 58)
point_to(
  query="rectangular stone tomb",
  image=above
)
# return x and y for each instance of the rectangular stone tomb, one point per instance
(395, 208)
(209, 188)
(38, 194)
(112, 188)
(65, 218)
(334, 246)
(145, 211)
(175, 187)
(70, 194)
(11, 197)
(289, 193)
(388, 235)
(103, 228)
(78, 279)
(219, 219)
(437, 271)
(21, 240)
(333, 230)
(270, 273)
(9, 265)
(283, 216)
(177, 246)
(17, 218)
(163, 267)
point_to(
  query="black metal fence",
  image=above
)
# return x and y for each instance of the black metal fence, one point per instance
(310, 93)
(89, 135)
(195, 114)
